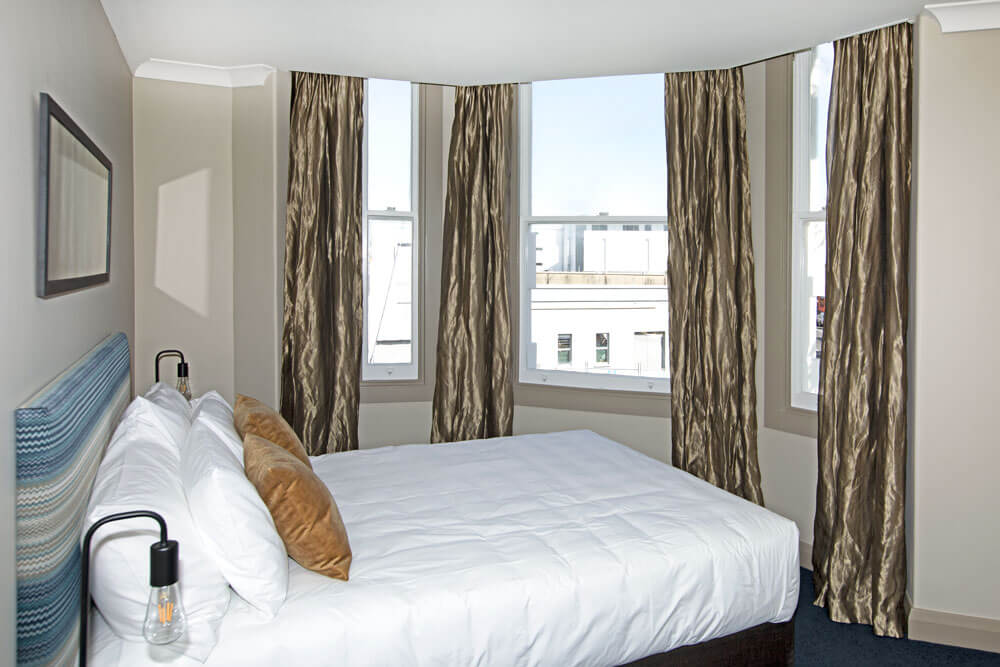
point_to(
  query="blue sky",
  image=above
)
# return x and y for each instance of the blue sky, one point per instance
(388, 126)
(598, 145)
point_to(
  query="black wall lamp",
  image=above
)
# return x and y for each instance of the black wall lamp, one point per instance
(183, 370)
(165, 621)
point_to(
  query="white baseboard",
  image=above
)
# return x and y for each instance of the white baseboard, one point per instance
(940, 627)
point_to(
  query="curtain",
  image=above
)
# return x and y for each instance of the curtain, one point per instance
(322, 333)
(859, 551)
(473, 392)
(713, 326)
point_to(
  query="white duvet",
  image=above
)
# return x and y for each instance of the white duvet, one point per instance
(557, 549)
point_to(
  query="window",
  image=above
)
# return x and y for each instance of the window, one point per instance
(601, 348)
(812, 73)
(593, 232)
(564, 348)
(389, 231)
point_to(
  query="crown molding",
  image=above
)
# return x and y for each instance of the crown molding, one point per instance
(963, 16)
(239, 76)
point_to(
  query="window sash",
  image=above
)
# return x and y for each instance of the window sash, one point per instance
(375, 372)
(527, 373)
(803, 317)
(799, 329)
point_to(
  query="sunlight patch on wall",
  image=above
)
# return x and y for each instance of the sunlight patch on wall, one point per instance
(182, 240)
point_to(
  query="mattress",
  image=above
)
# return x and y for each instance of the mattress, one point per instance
(550, 549)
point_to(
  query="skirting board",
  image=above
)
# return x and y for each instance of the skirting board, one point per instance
(941, 627)
(938, 627)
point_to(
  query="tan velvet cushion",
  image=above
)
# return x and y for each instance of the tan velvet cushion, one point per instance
(252, 416)
(302, 507)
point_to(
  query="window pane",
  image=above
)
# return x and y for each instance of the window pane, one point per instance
(389, 126)
(813, 310)
(597, 145)
(604, 285)
(601, 348)
(565, 348)
(390, 282)
(819, 102)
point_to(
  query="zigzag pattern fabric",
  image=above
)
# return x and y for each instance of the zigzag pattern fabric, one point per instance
(60, 434)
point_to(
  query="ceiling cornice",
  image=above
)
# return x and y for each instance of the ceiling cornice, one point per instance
(239, 76)
(963, 16)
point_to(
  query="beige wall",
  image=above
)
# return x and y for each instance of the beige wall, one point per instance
(954, 356)
(68, 50)
(256, 206)
(209, 194)
(184, 230)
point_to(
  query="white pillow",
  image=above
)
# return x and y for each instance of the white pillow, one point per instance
(141, 471)
(169, 398)
(214, 409)
(236, 527)
(172, 409)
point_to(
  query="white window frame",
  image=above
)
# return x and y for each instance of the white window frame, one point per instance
(526, 254)
(372, 372)
(606, 348)
(802, 334)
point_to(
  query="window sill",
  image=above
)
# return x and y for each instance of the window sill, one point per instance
(614, 401)
(603, 382)
(396, 391)
(805, 403)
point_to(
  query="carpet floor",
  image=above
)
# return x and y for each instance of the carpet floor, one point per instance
(820, 641)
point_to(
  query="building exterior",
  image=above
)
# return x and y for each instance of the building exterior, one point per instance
(599, 299)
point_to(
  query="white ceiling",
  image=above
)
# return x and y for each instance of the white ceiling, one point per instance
(472, 42)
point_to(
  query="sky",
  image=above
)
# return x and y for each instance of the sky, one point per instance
(598, 146)
(388, 127)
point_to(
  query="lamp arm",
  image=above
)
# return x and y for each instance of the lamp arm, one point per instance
(166, 353)
(85, 566)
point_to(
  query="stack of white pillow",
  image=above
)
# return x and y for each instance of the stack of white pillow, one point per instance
(184, 461)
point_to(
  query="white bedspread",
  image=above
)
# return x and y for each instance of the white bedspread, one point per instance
(557, 549)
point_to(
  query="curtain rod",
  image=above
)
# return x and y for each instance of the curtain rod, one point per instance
(752, 62)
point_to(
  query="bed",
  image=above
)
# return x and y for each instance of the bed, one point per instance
(550, 549)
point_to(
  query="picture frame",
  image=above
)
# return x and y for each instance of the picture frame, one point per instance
(73, 248)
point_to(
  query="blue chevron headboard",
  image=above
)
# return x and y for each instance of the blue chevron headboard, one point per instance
(60, 434)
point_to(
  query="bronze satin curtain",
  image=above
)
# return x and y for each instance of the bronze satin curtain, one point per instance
(322, 336)
(473, 392)
(713, 326)
(859, 552)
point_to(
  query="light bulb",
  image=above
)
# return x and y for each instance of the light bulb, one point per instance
(164, 615)
(183, 383)
(184, 387)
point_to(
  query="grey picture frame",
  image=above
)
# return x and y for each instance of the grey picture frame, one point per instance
(52, 280)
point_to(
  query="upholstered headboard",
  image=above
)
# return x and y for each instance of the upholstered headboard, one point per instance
(60, 434)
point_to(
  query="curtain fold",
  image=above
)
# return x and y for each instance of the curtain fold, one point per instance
(473, 391)
(859, 549)
(713, 326)
(322, 332)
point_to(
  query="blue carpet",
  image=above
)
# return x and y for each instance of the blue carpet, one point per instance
(820, 641)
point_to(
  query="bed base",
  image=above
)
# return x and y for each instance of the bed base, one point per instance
(760, 646)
